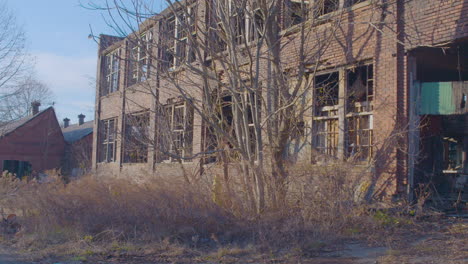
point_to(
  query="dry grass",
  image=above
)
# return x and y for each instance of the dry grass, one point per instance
(93, 217)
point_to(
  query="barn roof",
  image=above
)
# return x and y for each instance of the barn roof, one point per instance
(76, 132)
(10, 126)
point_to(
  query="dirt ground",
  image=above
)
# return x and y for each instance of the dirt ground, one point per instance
(444, 241)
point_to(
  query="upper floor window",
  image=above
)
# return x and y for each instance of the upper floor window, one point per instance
(112, 69)
(178, 29)
(244, 24)
(107, 139)
(141, 58)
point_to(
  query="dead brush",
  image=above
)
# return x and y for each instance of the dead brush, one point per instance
(119, 210)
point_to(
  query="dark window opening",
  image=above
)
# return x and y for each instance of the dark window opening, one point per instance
(17, 167)
(360, 89)
(327, 6)
(326, 91)
(137, 138)
(298, 11)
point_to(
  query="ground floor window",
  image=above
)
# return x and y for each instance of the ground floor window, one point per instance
(17, 167)
(108, 137)
(175, 132)
(355, 85)
(359, 136)
(326, 136)
(137, 137)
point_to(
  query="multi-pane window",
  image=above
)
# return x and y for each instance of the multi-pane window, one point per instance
(108, 138)
(359, 117)
(246, 23)
(175, 132)
(137, 138)
(326, 94)
(360, 90)
(178, 29)
(326, 136)
(359, 136)
(141, 59)
(112, 69)
(325, 123)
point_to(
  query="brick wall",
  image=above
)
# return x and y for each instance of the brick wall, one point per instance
(381, 32)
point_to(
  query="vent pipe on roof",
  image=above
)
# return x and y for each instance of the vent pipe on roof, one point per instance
(35, 107)
(81, 118)
(66, 122)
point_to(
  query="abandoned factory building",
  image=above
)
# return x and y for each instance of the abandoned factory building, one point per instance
(395, 68)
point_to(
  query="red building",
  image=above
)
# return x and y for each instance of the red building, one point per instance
(32, 144)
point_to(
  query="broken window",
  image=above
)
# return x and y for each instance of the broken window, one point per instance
(175, 132)
(360, 88)
(140, 58)
(360, 95)
(178, 28)
(298, 11)
(108, 138)
(359, 136)
(326, 113)
(326, 94)
(326, 6)
(112, 68)
(137, 138)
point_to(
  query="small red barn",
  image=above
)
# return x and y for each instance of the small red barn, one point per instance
(32, 144)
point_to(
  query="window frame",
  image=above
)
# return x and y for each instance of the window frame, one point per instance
(112, 72)
(140, 69)
(182, 134)
(138, 157)
(108, 139)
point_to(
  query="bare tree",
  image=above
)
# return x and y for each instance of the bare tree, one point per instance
(256, 74)
(18, 102)
(13, 54)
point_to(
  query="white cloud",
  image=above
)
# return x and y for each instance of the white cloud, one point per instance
(71, 80)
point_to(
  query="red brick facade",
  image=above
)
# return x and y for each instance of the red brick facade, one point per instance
(39, 141)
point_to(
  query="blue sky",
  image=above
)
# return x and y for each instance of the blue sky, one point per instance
(57, 32)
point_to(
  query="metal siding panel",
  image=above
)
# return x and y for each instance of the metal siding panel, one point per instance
(437, 99)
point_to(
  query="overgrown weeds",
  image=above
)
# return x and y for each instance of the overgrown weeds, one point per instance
(97, 216)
